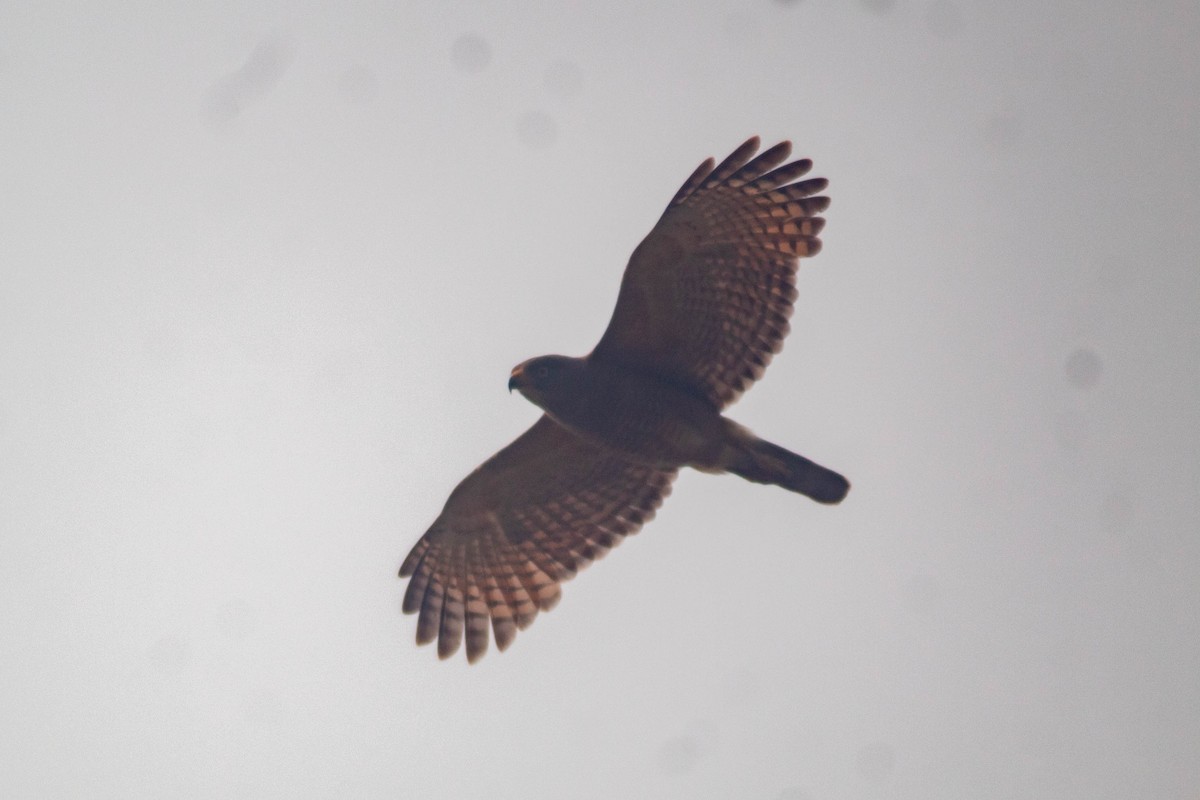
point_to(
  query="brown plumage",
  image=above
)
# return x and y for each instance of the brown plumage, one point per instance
(703, 306)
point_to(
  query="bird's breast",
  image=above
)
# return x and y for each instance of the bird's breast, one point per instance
(646, 419)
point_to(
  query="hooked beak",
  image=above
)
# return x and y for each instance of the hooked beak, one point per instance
(517, 379)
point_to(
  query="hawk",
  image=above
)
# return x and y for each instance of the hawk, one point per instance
(703, 306)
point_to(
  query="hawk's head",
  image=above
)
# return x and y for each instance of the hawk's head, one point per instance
(544, 379)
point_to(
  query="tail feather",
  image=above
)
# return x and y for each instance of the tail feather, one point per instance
(762, 462)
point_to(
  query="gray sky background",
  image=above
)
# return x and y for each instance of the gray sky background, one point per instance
(265, 268)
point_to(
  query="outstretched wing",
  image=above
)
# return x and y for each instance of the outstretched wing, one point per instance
(706, 297)
(526, 520)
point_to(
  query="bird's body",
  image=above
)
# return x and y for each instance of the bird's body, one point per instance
(645, 418)
(650, 420)
(703, 306)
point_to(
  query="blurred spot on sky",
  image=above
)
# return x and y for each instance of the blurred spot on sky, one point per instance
(265, 708)
(944, 19)
(471, 53)
(358, 85)
(537, 130)
(878, 6)
(788, 2)
(679, 755)
(170, 655)
(922, 595)
(1083, 368)
(742, 687)
(1117, 509)
(564, 78)
(742, 28)
(161, 342)
(793, 793)
(233, 94)
(338, 375)
(237, 619)
(1002, 129)
(875, 762)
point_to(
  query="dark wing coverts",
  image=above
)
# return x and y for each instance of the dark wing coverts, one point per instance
(527, 519)
(707, 295)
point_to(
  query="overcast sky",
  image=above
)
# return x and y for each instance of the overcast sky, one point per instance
(264, 269)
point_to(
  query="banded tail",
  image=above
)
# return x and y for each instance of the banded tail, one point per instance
(760, 461)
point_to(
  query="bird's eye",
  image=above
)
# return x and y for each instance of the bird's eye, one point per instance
(543, 371)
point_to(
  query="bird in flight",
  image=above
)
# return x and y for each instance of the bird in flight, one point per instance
(703, 306)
